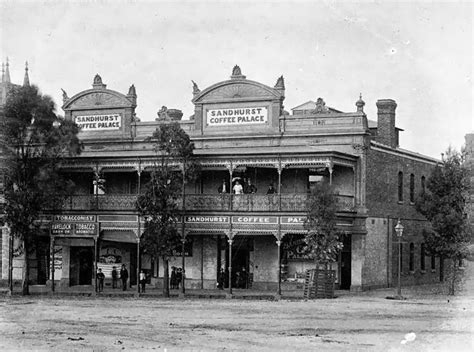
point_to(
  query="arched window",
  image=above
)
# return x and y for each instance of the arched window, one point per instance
(423, 184)
(412, 257)
(422, 257)
(400, 186)
(412, 188)
(433, 262)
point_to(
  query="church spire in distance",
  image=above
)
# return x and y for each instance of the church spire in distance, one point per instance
(7, 73)
(26, 79)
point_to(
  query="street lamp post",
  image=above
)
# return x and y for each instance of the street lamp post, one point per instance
(399, 231)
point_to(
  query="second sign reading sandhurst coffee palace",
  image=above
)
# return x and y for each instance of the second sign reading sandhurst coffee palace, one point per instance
(237, 116)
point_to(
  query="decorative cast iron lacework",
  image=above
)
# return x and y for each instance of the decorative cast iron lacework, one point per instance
(204, 202)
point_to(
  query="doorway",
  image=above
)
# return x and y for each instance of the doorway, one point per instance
(82, 264)
(346, 263)
(241, 248)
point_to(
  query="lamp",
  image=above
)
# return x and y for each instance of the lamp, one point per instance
(399, 231)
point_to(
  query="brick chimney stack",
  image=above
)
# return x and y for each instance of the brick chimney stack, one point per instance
(386, 132)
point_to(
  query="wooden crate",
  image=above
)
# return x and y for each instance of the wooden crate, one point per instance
(319, 283)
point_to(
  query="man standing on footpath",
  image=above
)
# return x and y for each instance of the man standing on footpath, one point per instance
(114, 277)
(100, 278)
(124, 276)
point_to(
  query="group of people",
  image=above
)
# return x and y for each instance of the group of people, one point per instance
(240, 280)
(242, 186)
(176, 277)
(115, 277)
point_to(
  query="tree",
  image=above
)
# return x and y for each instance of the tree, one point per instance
(323, 240)
(174, 166)
(444, 206)
(36, 142)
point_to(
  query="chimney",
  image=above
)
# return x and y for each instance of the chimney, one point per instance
(386, 132)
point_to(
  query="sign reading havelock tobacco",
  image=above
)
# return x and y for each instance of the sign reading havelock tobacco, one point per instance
(237, 116)
(70, 225)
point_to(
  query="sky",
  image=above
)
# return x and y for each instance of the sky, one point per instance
(417, 53)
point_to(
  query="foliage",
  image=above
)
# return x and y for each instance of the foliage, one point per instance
(36, 142)
(323, 240)
(444, 206)
(159, 203)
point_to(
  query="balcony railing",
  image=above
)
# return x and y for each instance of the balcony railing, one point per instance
(295, 202)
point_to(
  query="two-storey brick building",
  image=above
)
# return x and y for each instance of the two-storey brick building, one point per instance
(242, 134)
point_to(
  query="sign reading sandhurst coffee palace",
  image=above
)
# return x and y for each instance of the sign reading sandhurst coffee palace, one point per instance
(237, 116)
(99, 122)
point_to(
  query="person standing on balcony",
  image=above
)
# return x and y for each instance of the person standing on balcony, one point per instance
(223, 188)
(238, 189)
(124, 277)
(271, 190)
(250, 187)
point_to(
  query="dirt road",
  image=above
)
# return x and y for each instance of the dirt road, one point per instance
(424, 322)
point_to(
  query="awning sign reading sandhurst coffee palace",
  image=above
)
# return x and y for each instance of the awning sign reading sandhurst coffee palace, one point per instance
(237, 116)
(99, 122)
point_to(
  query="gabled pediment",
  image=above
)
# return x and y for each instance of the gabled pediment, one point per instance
(237, 90)
(97, 98)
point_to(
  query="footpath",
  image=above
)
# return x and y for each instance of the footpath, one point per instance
(431, 291)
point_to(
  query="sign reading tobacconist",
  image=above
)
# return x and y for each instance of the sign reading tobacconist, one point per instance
(74, 225)
(99, 122)
(237, 116)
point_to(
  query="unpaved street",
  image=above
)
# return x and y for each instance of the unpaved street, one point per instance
(349, 323)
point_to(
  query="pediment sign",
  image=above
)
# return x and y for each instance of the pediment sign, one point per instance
(234, 90)
(98, 99)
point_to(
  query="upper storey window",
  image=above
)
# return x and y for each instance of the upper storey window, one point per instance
(400, 186)
(412, 188)
(423, 184)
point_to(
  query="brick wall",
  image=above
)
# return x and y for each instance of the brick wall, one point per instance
(384, 209)
(382, 184)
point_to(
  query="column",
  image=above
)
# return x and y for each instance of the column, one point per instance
(183, 261)
(357, 261)
(278, 242)
(52, 261)
(230, 241)
(279, 186)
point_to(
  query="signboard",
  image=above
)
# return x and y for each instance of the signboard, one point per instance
(99, 122)
(293, 220)
(85, 229)
(294, 247)
(207, 219)
(61, 229)
(262, 220)
(74, 218)
(237, 116)
(74, 225)
(188, 248)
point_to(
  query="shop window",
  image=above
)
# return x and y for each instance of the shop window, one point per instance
(400, 186)
(412, 188)
(412, 257)
(433, 262)
(423, 184)
(422, 257)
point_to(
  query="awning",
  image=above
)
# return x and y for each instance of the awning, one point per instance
(124, 236)
(73, 242)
